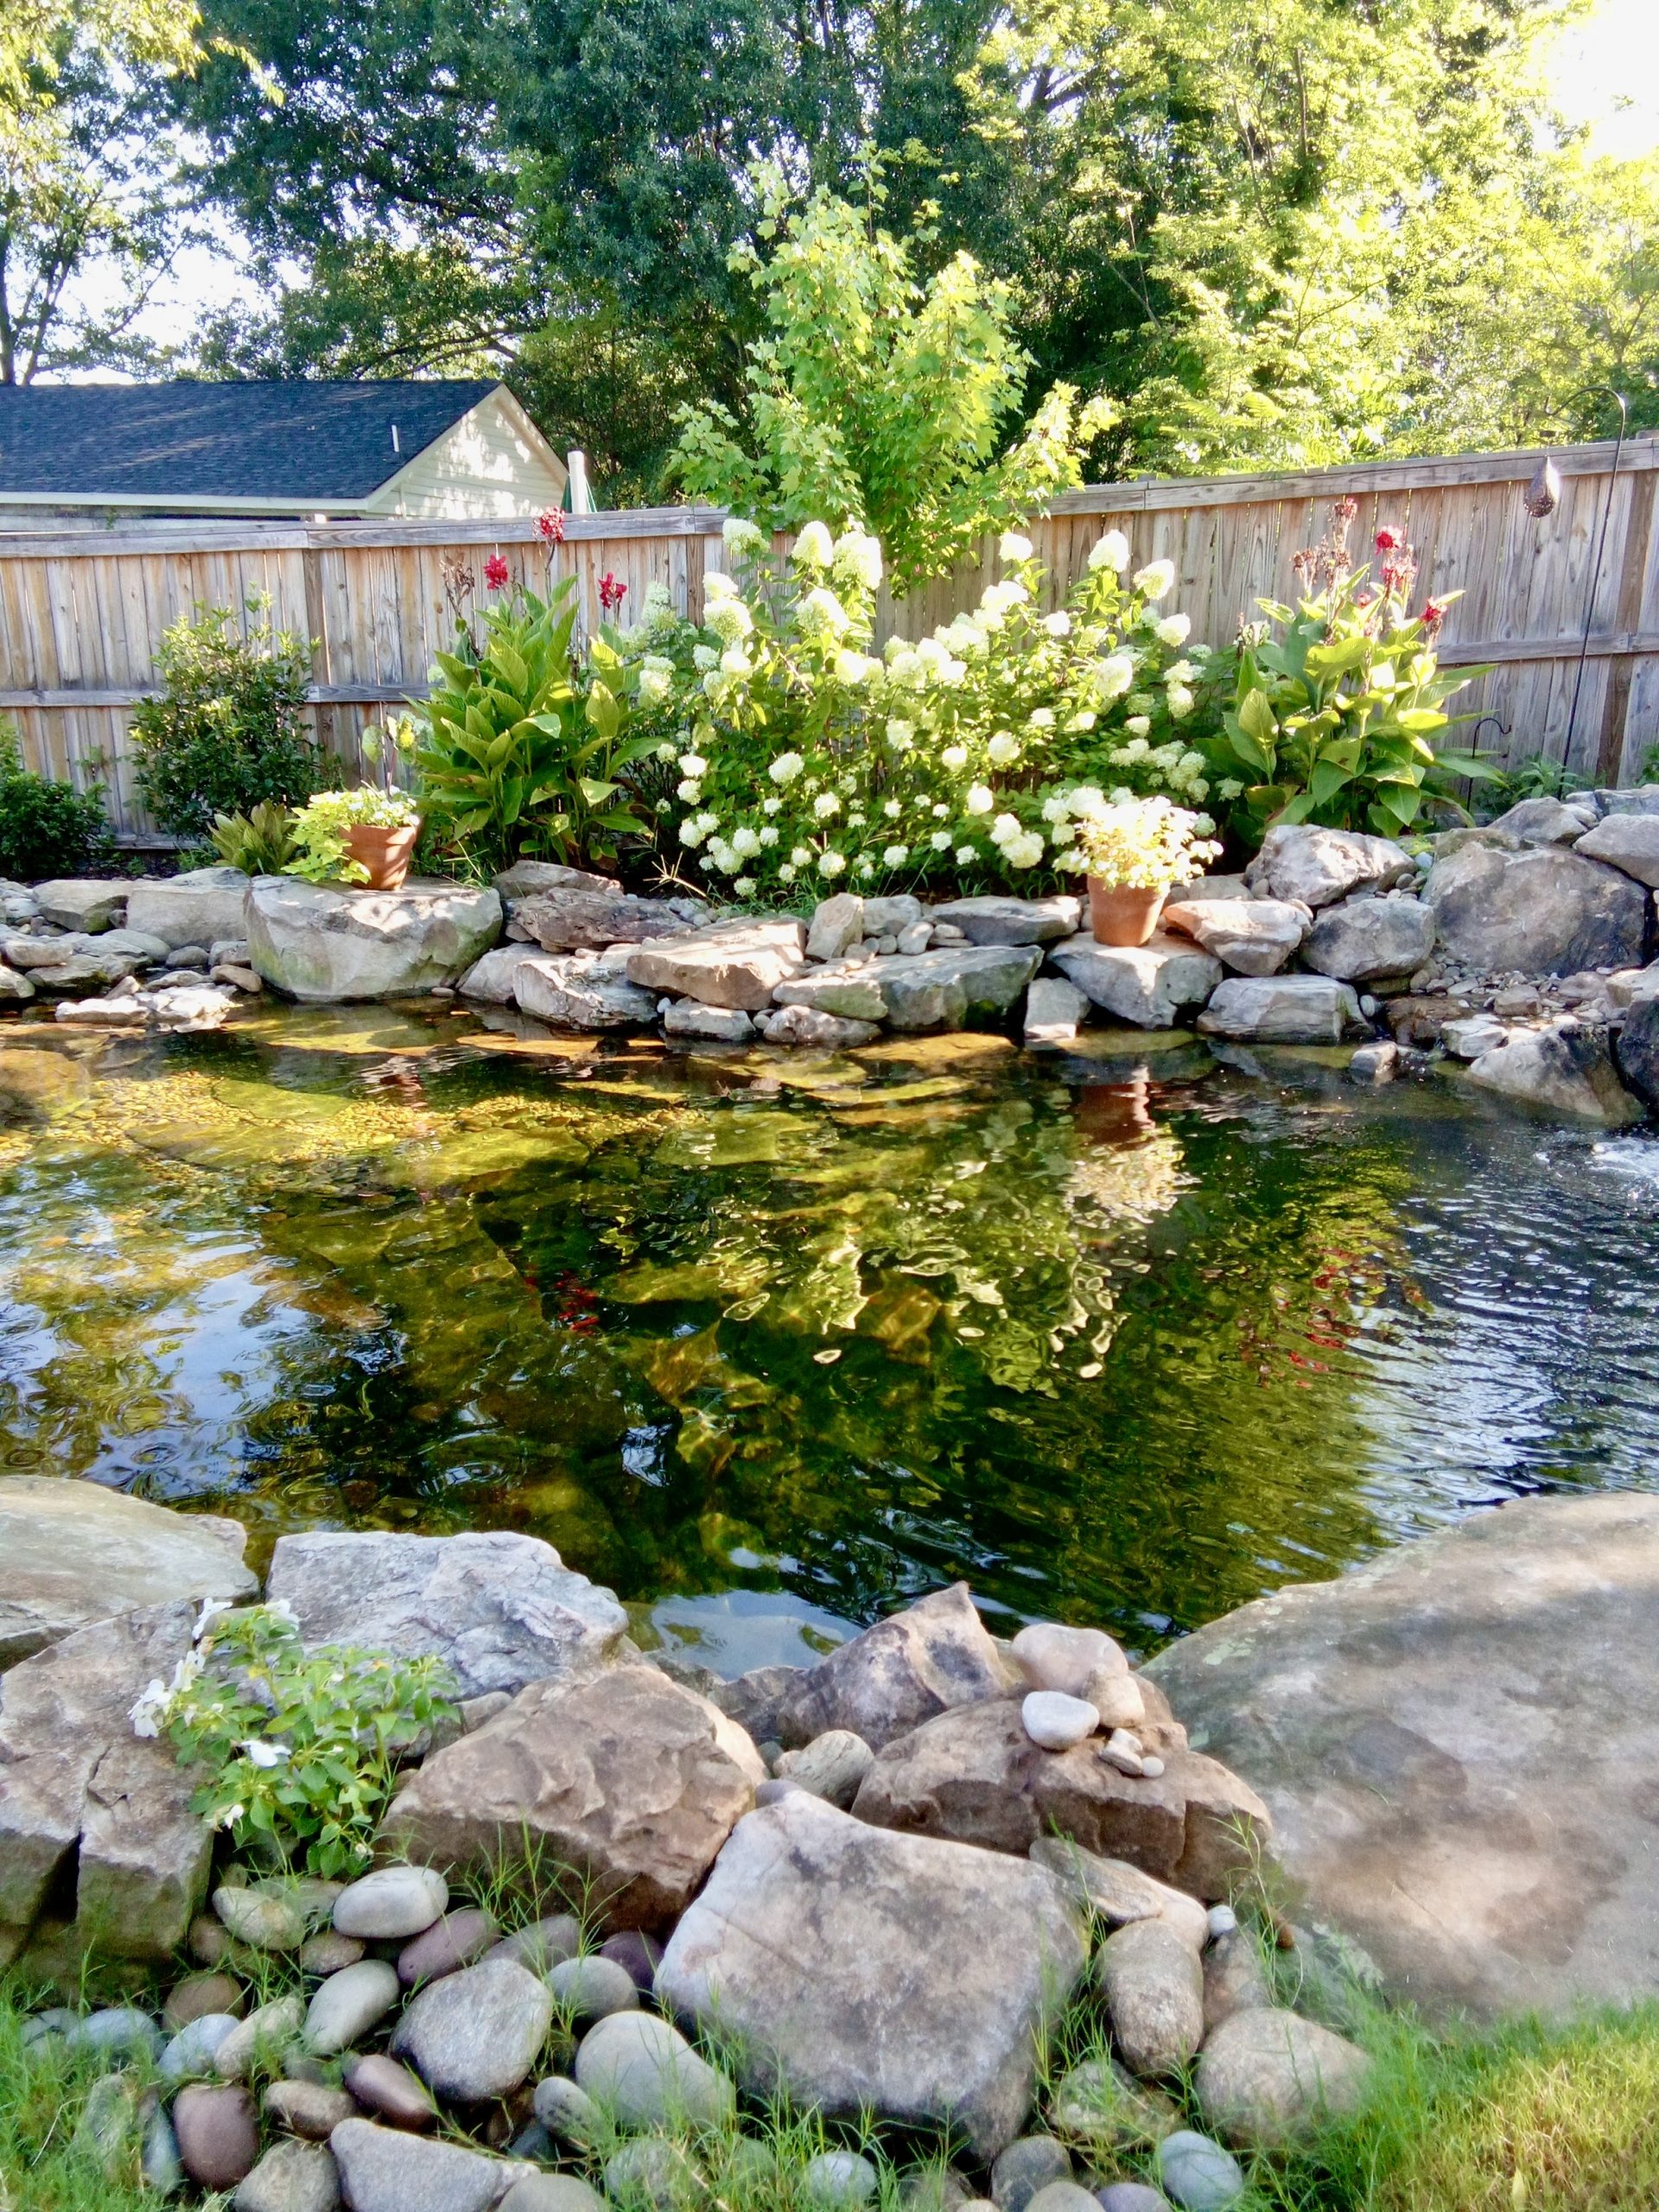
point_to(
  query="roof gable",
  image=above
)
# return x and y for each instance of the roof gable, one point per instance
(300, 442)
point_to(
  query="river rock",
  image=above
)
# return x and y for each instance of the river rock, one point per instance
(382, 2169)
(327, 942)
(1637, 1047)
(811, 1026)
(119, 2033)
(1146, 985)
(1545, 822)
(973, 1776)
(77, 903)
(266, 1920)
(575, 917)
(1198, 2174)
(195, 908)
(943, 988)
(457, 1939)
(1317, 866)
(1361, 940)
(1101, 2106)
(934, 1655)
(638, 1955)
(582, 992)
(846, 988)
(837, 2181)
(1264, 2075)
(390, 1904)
(591, 1988)
(1053, 1656)
(1131, 2196)
(477, 2034)
(72, 1552)
(217, 2132)
(500, 1610)
(1566, 1068)
(1153, 1985)
(1628, 842)
(160, 2167)
(1253, 936)
(716, 1025)
(1456, 1740)
(1118, 1892)
(552, 2193)
(1282, 1010)
(568, 2114)
(261, 2038)
(726, 963)
(994, 920)
(199, 1994)
(626, 1776)
(109, 2125)
(1546, 911)
(837, 925)
(1056, 1722)
(1235, 1980)
(308, 2108)
(831, 1766)
(292, 2176)
(390, 2091)
(1478, 1032)
(494, 978)
(544, 1944)
(857, 1970)
(1055, 1010)
(651, 2175)
(81, 1795)
(347, 2005)
(1028, 2164)
(644, 2073)
(189, 2055)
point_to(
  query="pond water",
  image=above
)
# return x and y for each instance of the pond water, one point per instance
(770, 1343)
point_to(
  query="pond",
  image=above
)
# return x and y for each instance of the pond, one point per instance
(769, 1343)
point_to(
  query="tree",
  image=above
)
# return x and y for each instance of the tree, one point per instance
(878, 397)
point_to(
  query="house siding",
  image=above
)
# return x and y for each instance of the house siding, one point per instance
(493, 463)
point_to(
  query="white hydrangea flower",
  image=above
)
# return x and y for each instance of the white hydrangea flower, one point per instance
(856, 821)
(1003, 748)
(1072, 861)
(785, 767)
(966, 855)
(906, 666)
(693, 764)
(1180, 701)
(1013, 545)
(705, 657)
(787, 871)
(1057, 807)
(1025, 851)
(831, 863)
(864, 864)
(745, 842)
(997, 599)
(743, 887)
(1114, 674)
(1057, 625)
(857, 557)
(940, 841)
(1085, 720)
(1138, 725)
(730, 621)
(1173, 630)
(895, 855)
(716, 586)
(821, 611)
(902, 734)
(692, 832)
(825, 805)
(1040, 718)
(1005, 828)
(735, 662)
(1179, 671)
(1111, 551)
(1229, 789)
(981, 798)
(772, 805)
(688, 789)
(954, 756)
(893, 809)
(939, 811)
(741, 538)
(814, 548)
(655, 687)
(768, 836)
(802, 856)
(855, 667)
(668, 750)
(1155, 579)
(722, 855)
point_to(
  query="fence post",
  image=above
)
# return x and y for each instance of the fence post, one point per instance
(1627, 615)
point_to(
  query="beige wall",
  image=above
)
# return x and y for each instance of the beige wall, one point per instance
(494, 463)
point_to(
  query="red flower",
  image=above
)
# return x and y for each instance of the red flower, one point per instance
(495, 571)
(550, 527)
(612, 591)
(1433, 614)
(1389, 540)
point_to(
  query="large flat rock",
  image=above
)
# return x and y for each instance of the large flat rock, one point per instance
(200, 907)
(72, 1552)
(857, 1970)
(327, 942)
(1459, 1744)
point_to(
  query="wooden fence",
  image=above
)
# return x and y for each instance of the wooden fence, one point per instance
(81, 613)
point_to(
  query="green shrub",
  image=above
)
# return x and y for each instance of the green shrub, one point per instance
(46, 828)
(299, 1752)
(226, 732)
(261, 843)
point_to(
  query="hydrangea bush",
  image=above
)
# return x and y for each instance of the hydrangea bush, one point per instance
(803, 761)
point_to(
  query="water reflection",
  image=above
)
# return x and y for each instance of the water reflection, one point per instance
(1120, 1334)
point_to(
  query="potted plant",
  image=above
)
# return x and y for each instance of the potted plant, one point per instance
(365, 836)
(1134, 850)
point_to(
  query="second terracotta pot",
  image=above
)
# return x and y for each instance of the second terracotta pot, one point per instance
(1120, 915)
(386, 854)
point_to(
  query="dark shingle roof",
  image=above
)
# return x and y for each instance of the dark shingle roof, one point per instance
(304, 441)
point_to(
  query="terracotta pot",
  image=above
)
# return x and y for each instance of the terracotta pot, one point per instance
(1119, 915)
(386, 854)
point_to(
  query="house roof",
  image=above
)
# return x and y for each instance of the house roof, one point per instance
(297, 443)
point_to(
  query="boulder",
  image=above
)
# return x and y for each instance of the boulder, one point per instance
(887, 916)
(847, 988)
(1359, 940)
(72, 903)
(832, 1766)
(568, 919)
(1207, 886)
(1235, 1980)
(837, 925)
(72, 1552)
(1457, 1743)
(1253, 936)
(499, 1610)
(1476, 1034)
(1566, 1068)
(860, 1972)
(1055, 1010)
(80, 1791)
(190, 909)
(476, 2034)
(15, 989)
(1052, 1655)
(1118, 1893)
(1545, 911)
(582, 991)
(717, 1025)
(1637, 1048)
(992, 920)
(943, 988)
(1265, 2074)
(975, 1775)
(382, 2169)
(1153, 1986)
(1282, 1010)
(1545, 822)
(1146, 985)
(1628, 842)
(495, 977)
(1317, 866)
(811, 1025)
(524, 879)
(326, 942)
(1637, 798)
(934, 1655)
(726, 963)
(625, 1776)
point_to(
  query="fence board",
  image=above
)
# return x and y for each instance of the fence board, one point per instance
(81, 612)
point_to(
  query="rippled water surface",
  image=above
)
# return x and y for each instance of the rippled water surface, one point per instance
(768, 1343)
